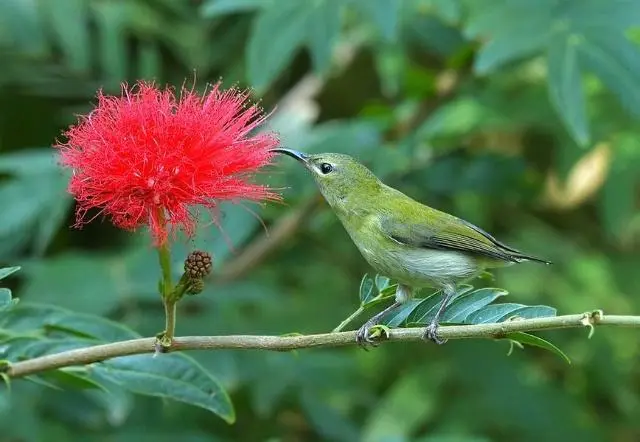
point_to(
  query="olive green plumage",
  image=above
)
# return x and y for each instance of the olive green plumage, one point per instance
(401, 238)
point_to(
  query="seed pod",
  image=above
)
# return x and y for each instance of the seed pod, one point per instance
(198, 264)
(196, 286)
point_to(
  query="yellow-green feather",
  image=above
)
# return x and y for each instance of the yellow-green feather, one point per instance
(400, 237)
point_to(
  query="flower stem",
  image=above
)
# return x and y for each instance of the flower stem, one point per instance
(166, 291)
(164, 256)
(170, 322)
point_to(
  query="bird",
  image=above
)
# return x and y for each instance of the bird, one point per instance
(403, 239)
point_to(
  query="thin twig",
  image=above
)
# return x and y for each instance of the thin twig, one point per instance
(348, 320)
(99, 353)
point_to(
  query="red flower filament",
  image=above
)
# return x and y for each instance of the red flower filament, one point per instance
(148, 157)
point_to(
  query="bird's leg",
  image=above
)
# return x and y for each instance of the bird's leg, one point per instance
(431, 332)
(403, 294)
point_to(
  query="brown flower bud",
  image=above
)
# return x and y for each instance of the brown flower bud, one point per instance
(198, 264)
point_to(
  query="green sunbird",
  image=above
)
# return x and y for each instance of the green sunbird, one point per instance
(411, 243)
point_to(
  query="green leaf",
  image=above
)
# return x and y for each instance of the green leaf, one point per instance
(323, 32)
(462, 306)
(25, 200)
(384, 14)
(149, 60)
(468, 307)
(187, 431)
(500, 312)
(391, 64)
(382, 282)
(266, 394)
(221, 233)
(576, 35)
(492, 313)
(41, 346)
(212, 8)
(531, 312)
(5, 298)
(20, 24)
(367, 292)
(276, 35)
(498, 52)
(69, 22)
(36, 193)
(425, 309)
(404, 407)
(435, 36)
(51, 280)
(388, 291)
(616, 61)
(447, 437)
(6, 271)
(29, 162)
(70, 377)
(93, 327)
(173, 376)
(455, 118)
(397, 317)
(28, 347)
(353, 137)
(280, 30)
(428, 306)
(565, 85)
(42, 382)
(596, 15)
(529, 339)
(111, 20)
(618, 197)
(448, 10)
(515, 28)
(327, 420)
(29, 318)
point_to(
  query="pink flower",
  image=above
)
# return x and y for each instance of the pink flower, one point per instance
(148, 157)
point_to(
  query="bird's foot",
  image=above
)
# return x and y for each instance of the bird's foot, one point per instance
(371, 333)
(431, 334)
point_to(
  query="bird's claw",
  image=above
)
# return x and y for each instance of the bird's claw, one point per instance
(362, 337)
(370, 334)
(431, 334)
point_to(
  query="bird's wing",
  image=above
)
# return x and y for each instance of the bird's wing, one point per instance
(450, 234)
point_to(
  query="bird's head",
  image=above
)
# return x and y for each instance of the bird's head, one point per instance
(338, 176)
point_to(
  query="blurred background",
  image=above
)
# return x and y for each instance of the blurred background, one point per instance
(520, 116)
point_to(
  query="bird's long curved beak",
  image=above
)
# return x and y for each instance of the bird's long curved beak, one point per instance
(303, 158)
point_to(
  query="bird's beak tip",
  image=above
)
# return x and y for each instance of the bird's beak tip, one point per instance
(292, 153)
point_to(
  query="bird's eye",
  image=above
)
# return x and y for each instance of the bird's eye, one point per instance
(326, 168)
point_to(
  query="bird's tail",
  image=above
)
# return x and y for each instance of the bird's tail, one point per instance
(519, 256)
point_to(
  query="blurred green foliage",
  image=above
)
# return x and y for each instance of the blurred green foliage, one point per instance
(518, 115)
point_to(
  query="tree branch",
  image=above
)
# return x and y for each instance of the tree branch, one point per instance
(89, 355)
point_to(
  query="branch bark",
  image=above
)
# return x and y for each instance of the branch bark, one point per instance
(98, 353)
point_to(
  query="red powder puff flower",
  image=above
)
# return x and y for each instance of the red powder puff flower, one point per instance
(148, 157)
